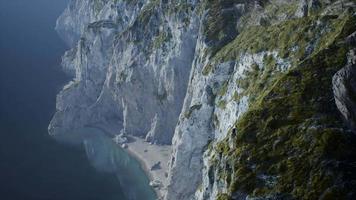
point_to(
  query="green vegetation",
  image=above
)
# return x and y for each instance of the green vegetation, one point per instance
(219, 27)
(236, 96)
(222, 197)
(147, 11)
(292, 132)
(179, 7)
(160, 39)
(222, 104)
(300, 34)
(275, 10)
(224, 88)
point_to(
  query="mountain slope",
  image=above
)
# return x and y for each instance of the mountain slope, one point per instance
(256, 97)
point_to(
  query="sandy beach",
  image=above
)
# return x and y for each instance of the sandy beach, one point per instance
(150, 155)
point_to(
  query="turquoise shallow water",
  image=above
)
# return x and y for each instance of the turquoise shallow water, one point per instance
(33, 166)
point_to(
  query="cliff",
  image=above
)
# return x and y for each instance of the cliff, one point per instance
(257, 98)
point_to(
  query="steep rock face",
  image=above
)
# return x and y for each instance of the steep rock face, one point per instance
(82, 103)
(150, 68)
(74, 20)
(287, 144)
(196, 126)
(244, 90)
(131, 67)
(344, 83)
(220, 136)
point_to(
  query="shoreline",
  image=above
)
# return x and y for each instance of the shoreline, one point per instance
(149, 155)
(146, 154)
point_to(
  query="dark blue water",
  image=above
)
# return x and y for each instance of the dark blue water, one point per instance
(32, 165)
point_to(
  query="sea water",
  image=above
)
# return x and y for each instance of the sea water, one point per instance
(33, 166)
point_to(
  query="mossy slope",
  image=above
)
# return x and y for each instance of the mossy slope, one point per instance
(292, 143)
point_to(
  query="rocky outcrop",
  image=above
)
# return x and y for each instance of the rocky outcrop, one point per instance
(149, 72)
(344, 83)
(131, 70)
(76, 17)
(243, 90)
(307, 7)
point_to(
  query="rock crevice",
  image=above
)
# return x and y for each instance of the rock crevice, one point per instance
(244, 91)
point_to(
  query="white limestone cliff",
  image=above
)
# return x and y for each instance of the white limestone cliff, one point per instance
(175, 72)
